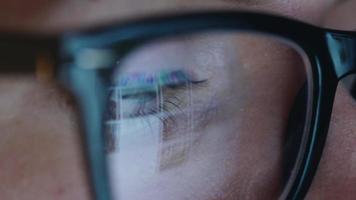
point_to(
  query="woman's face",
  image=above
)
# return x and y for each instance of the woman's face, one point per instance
(40, 143)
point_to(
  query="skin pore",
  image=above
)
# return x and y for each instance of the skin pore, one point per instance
(40, 156)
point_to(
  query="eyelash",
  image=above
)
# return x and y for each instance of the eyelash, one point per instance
(161, 108)
(173, 101)
(162, 112)
(168, 114)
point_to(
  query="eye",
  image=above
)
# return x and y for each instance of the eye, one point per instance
(162, 94)
(165, 95)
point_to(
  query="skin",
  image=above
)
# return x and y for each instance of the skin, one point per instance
(220, 146)
(40, 148)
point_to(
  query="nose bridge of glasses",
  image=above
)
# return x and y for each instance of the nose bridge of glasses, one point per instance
(342, 48)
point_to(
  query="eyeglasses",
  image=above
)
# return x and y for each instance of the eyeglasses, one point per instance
(212, 97)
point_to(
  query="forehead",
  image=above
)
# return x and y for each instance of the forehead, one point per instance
(37, 15)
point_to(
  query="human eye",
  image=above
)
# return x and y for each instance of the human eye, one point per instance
(164, 97)
(162, 94)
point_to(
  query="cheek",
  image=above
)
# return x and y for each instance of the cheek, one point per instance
(275, 74)
(336, 176)
(39, 144)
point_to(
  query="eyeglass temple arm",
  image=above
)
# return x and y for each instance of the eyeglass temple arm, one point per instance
(23, 54)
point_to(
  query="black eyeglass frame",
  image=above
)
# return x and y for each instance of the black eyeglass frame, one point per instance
(331, 54)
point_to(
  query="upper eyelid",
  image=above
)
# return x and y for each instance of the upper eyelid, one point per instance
(168, 86)
(161, 79)
(152, 94)
(141, 89)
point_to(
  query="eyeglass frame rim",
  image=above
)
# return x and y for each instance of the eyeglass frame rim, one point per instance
(314, 41)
